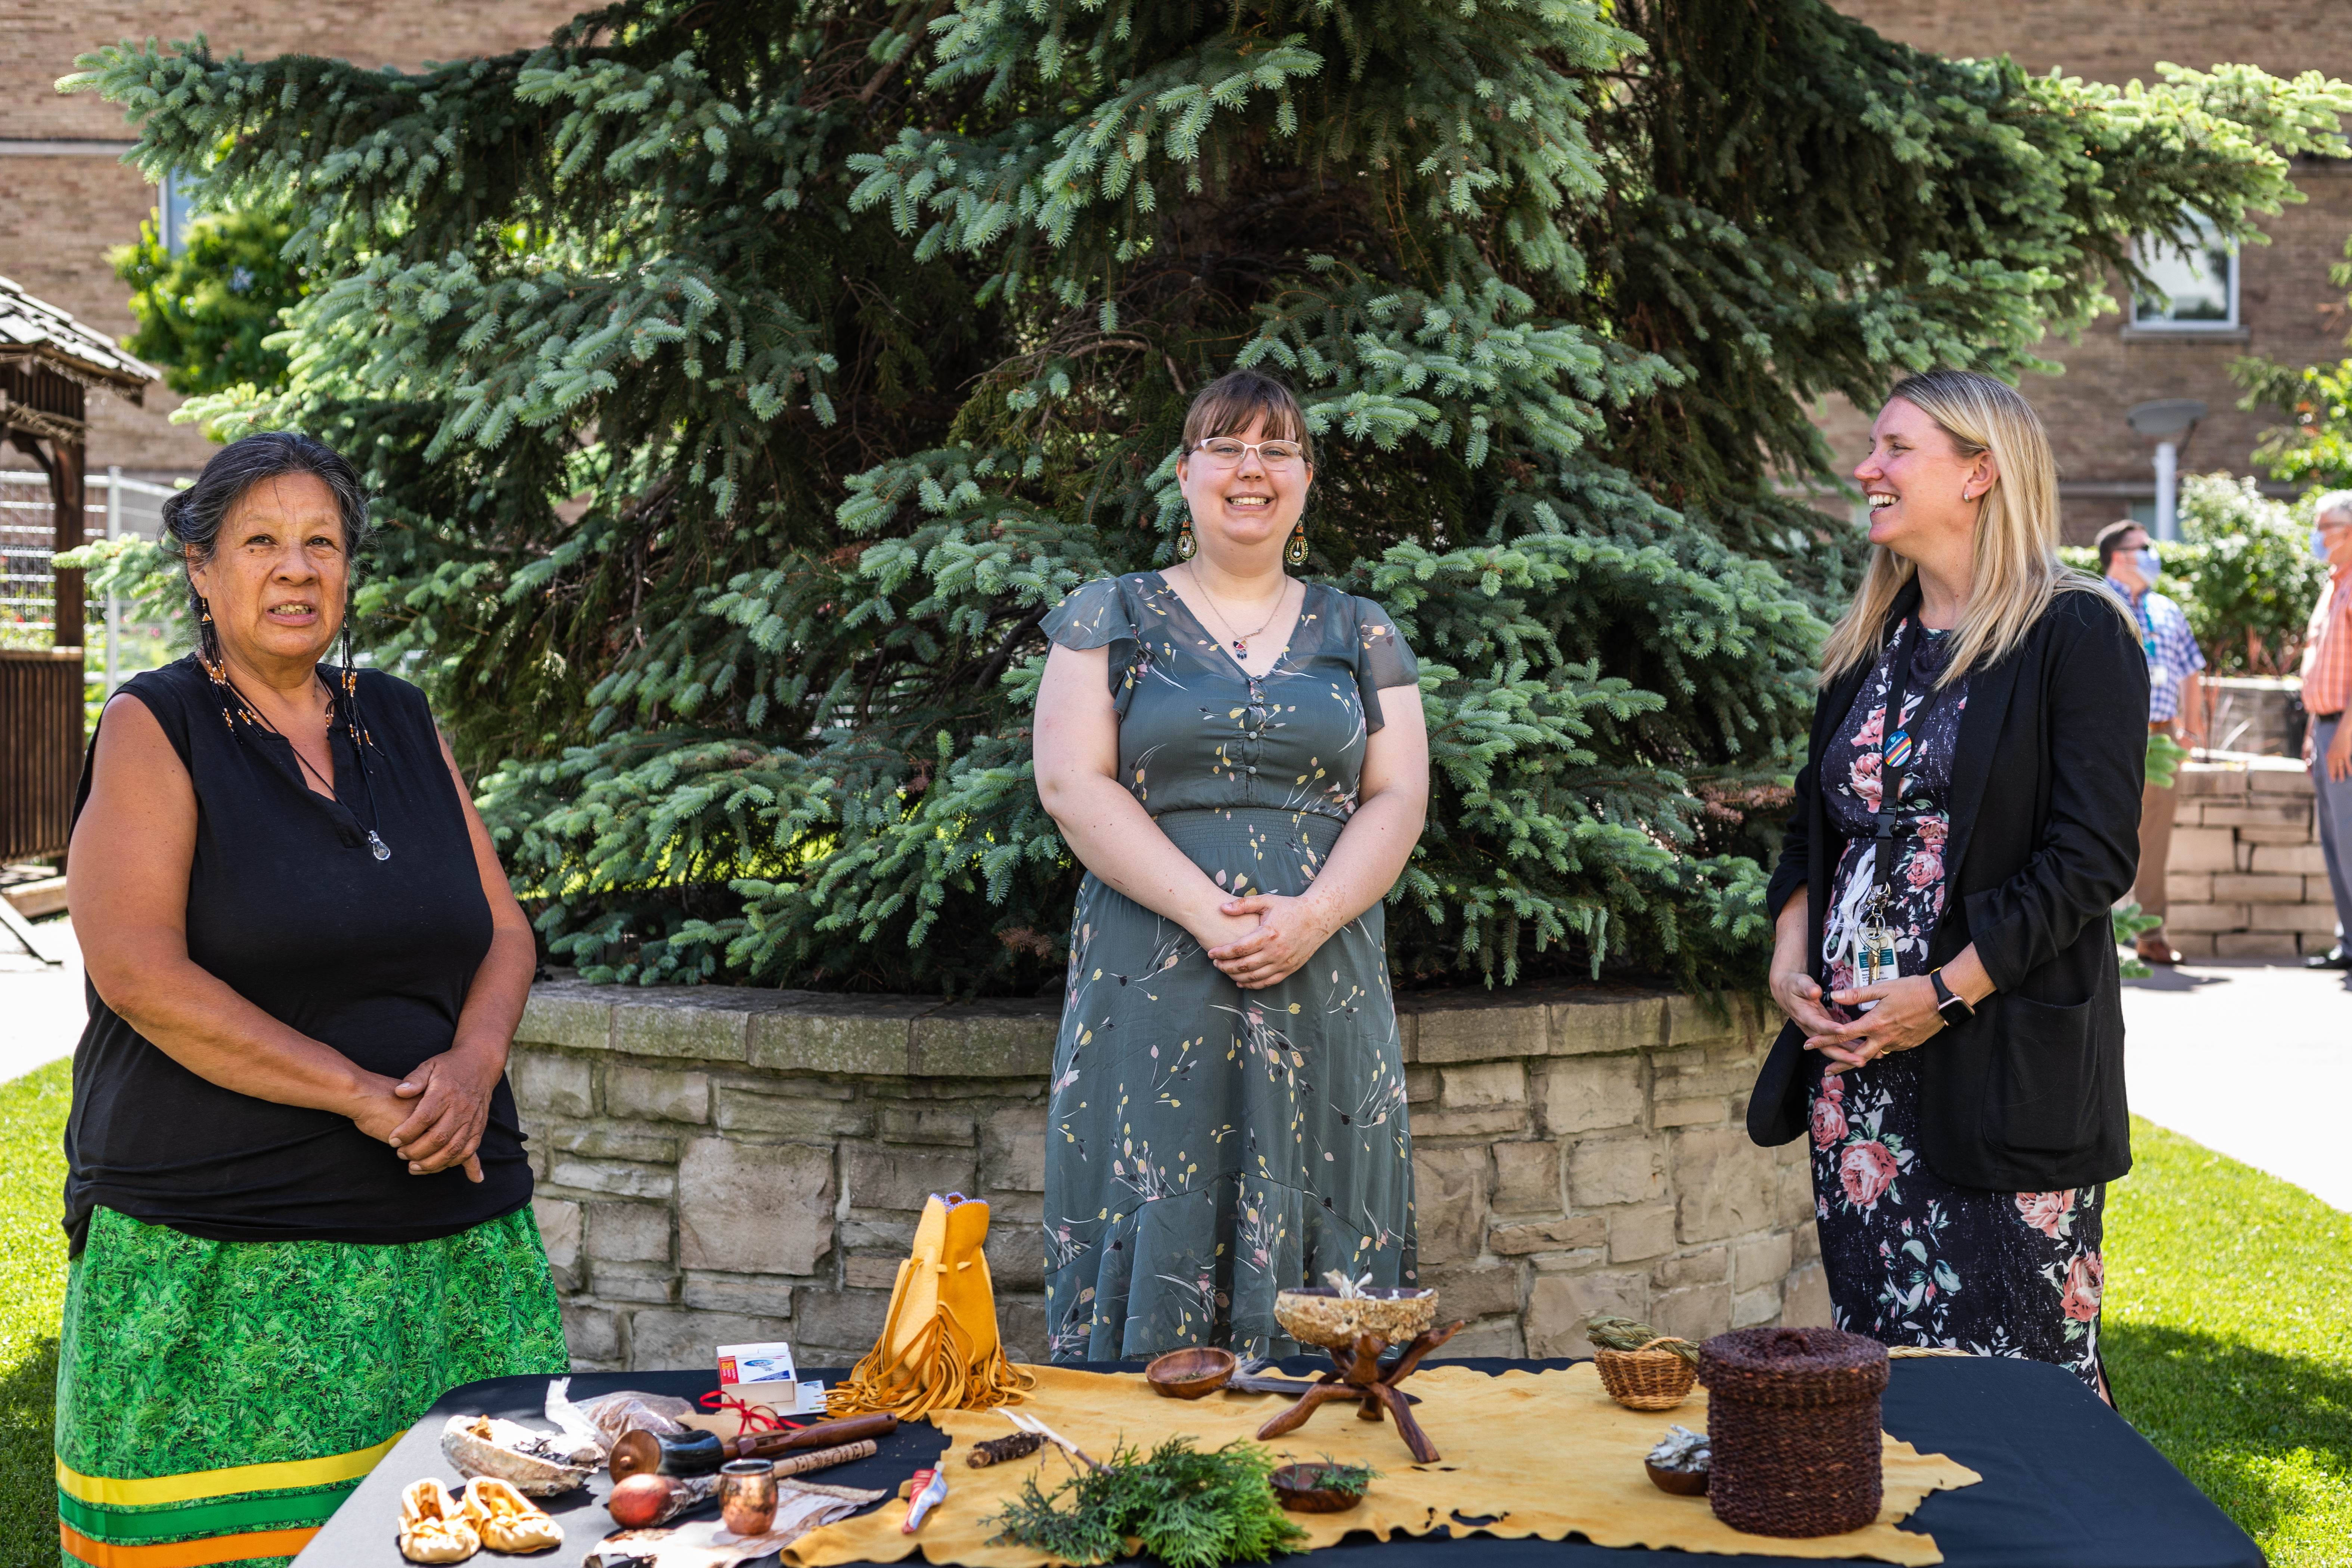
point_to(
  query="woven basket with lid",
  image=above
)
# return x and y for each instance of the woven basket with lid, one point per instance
(1793, 1417)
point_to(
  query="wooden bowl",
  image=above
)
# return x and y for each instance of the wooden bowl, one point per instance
(1191, 1372)
(1682, 1483)
(1299, 1488)
(1318, 1315)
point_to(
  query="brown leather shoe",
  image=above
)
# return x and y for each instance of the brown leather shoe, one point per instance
(2156, 949)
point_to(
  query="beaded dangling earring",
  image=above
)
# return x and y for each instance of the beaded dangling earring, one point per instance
(1186, 546)
(1296, 554)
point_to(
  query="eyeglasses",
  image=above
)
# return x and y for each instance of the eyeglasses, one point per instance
(1224, 452)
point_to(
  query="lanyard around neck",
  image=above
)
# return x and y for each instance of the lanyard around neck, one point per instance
(1896, 751)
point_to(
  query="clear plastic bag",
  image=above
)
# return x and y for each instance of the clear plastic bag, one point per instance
(603, 1419)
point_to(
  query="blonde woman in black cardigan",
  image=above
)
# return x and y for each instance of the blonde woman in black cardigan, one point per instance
(1955, 1043)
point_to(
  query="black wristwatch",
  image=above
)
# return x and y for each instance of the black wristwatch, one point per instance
(1954, 1011)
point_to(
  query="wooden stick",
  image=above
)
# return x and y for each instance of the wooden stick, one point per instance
(824, 1458)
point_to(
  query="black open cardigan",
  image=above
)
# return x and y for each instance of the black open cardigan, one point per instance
(2027, 1096)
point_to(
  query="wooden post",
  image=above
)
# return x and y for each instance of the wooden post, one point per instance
(66, 493)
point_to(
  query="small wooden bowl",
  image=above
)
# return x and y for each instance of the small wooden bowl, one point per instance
(1682, 1483)
(1191, 1372)
(1300, 1489)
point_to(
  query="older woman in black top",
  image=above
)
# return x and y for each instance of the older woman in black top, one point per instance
(1969, 813)
(298, 1199)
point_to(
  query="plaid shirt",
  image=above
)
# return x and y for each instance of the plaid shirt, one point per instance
(2173, 654)
(2327, 647)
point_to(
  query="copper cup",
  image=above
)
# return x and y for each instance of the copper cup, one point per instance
(747, 1496)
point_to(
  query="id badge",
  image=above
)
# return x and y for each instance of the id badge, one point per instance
(1875, 963)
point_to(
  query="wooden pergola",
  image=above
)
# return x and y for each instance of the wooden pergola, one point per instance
(48, 365)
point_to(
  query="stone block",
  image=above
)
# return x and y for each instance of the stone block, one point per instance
(1689, 1113)
(848, 1321)
(1708, 1267)
(2266, 814)
(704, 1022)
(647, 1283)
(1547, 1235)
(1636, 1234)
(1796, 1184)
(748, 1209)
(902, 1178)
(1602, 1170)
(1495, 1337)
(1723, 1184)
(2255, 944)
(1763, 1261)
(1021, 1325)
(1474, 1292)
(1526, 1178)
(1694, 1312)
(1588, 1095)
(546, 1085)
(613, 1177)
(1475, 1030)
(1598, 1024)
(559, 1229)
(751, 1294)
(614, 1143)
(2197, 946)
(1805, 1298)
(1701, 1020)
(813, 1032)
(927, 1124)
(1449, 1202)
(2289, 781)
(1420, 1084)
(1560, 1306)
(1753, 1309)
(1005, 1038)
(1012, 1145)
(2245, 888)
(2318, 890)
(673, 1341)
(2187, 888)
(594, 1333)
(1806, 1241)
(1016, 1254)
(1483, 1085)
(2204, 779)
(2207, 918)
(2202, 849)
(1437, 1122)
(629, 1233)
(872, 1270)
(741, 1111)
(659, 1094)
(2252, 838)
(2316, 919)
(567, 1012)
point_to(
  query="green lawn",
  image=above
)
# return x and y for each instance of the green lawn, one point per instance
(2228, 1333)
(32, 1295)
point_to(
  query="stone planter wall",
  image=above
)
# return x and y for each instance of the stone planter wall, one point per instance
(2245, 877)
(719, 1164)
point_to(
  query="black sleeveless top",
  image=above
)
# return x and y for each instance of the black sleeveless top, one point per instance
(289, 906)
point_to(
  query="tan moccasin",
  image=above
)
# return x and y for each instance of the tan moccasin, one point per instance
(508, 1521)
(434, 1527)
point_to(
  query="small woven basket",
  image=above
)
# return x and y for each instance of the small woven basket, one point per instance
(1647, 1378)
(1793, 1415)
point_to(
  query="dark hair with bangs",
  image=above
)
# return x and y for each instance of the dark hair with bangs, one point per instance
(1231, 404)
(192, 518)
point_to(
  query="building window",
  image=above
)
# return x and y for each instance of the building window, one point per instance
(175, 211)
(2197, 272)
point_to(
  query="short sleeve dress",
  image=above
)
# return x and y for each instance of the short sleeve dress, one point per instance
(1207, 1146)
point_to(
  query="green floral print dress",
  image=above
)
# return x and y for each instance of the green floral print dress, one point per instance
(1207, 1146)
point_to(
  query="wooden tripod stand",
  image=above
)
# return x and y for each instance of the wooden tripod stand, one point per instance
(1356, 1373)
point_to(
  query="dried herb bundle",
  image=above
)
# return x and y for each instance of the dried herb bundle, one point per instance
(1624, 1335)
(1188, 1507)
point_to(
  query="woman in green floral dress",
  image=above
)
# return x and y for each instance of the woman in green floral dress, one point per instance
(1239, 760)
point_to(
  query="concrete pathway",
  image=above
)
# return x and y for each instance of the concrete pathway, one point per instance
(41, 1007)
(2251, 1060)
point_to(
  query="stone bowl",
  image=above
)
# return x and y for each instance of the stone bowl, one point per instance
(1319, 1315)
(1191, 1372)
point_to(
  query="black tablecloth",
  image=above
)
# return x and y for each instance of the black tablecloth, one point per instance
(2067, 1483)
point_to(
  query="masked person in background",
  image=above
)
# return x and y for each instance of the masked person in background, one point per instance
(2326, 684)
(2176, 707)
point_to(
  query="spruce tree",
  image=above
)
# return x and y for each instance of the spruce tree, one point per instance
(743, 383)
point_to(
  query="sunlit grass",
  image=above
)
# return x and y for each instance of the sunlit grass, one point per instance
(32, 1296)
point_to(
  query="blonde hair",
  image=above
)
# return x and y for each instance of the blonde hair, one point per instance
(2017, 571)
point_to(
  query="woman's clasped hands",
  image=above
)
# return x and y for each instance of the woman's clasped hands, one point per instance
(1286, 934)
(1905, 1016)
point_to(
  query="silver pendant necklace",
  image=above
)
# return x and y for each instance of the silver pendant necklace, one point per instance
(1240, 643)
(376, 845)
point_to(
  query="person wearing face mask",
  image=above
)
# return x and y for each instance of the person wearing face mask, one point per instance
(1237, 757)
(2327, 686)
(2176, 706)
(1965, 821)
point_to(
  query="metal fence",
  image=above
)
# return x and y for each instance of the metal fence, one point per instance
(114, 506)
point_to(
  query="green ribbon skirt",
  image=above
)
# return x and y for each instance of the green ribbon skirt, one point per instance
(217, 1400)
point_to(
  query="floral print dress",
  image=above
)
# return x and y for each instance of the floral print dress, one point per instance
(1207, 1146)
(1913, 1260)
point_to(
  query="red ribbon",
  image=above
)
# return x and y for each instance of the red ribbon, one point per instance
(755, 1417)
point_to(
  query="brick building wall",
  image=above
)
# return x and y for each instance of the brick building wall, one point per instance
(2288, 308)
(66, 198)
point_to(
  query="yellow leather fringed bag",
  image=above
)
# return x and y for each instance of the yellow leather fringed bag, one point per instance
(938, 1348)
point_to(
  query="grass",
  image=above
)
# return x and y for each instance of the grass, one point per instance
(32, 1296)
(2228, 1333)
(2228, 1339)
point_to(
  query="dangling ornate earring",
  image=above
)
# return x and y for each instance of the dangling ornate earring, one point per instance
(1296, 554)
(1186, 546)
